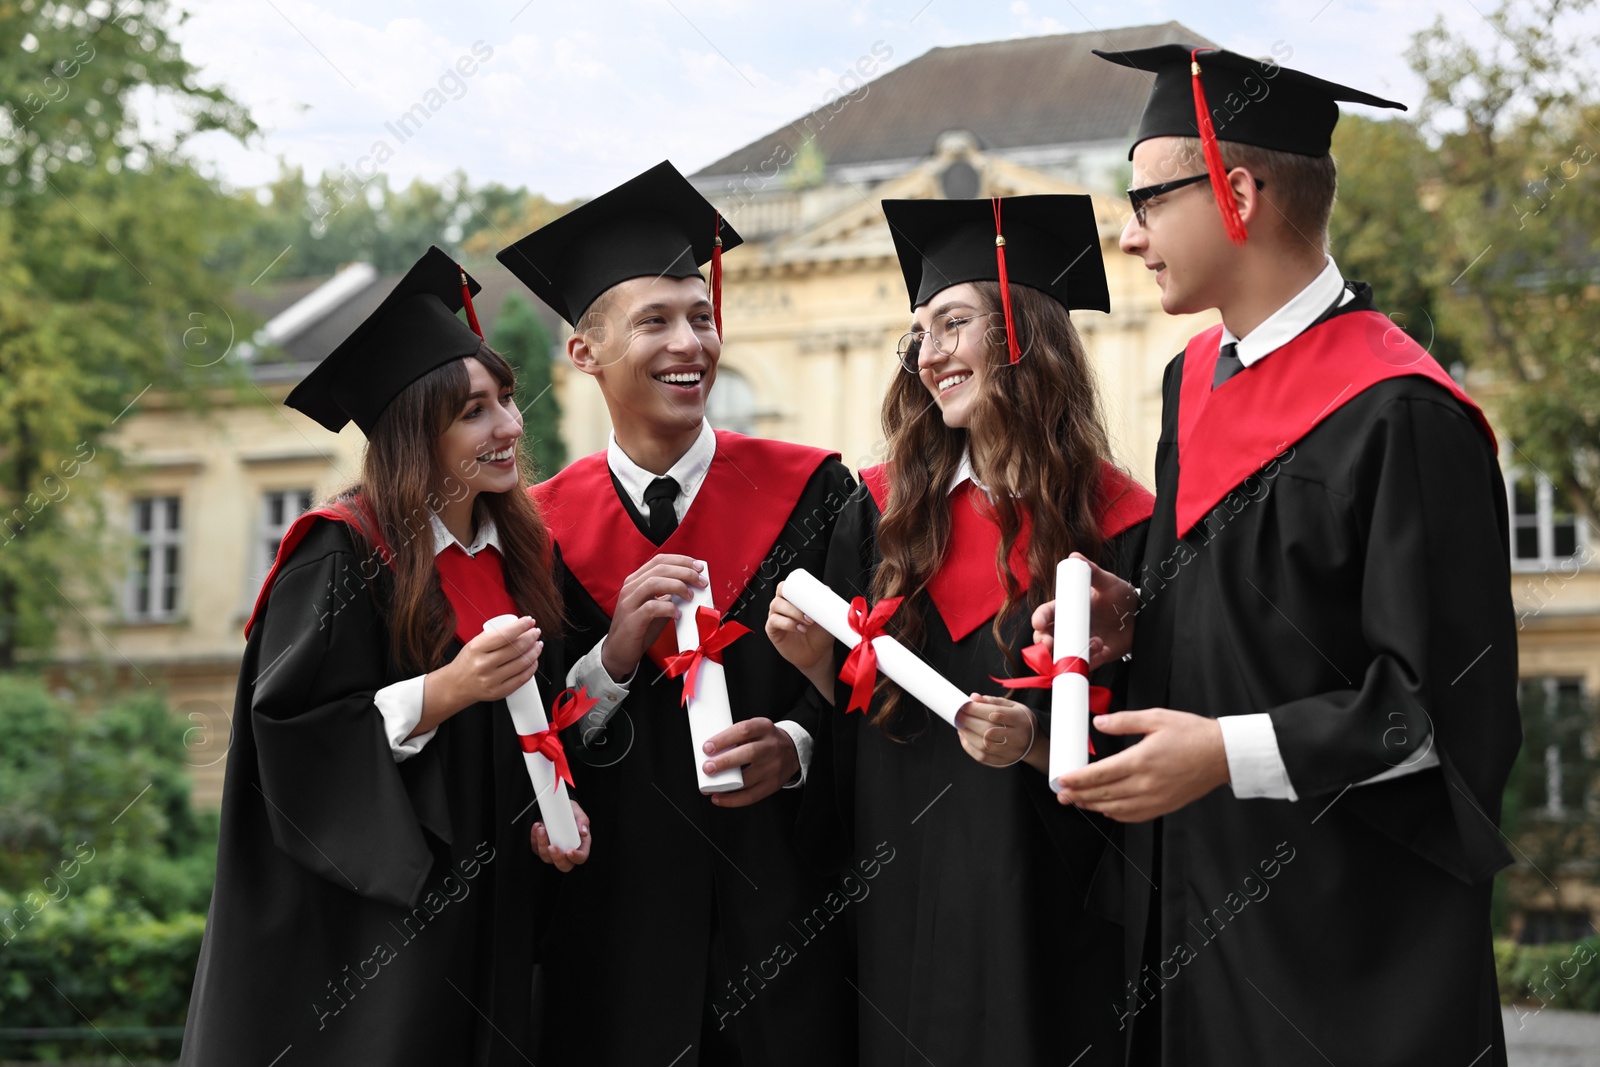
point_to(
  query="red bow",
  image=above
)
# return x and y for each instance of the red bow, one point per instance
(1046, 671)
(570, 706)
(860, 670)
(715, 635)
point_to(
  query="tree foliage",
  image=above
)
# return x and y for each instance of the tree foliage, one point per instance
(522, 339)
(106, 284)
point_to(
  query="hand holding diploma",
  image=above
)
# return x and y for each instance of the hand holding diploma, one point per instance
(846, 622)
(1113, 609)
(541, 750)
(562, 859)
(703, 636)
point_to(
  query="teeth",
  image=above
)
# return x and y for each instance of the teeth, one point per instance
(681, 378)
(951, 382)
(494, 457)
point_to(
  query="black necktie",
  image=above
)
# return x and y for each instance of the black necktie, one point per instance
(659, 496)
(1228, 364)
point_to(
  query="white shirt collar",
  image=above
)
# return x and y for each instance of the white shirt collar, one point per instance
(964, 473)
(443, 538)
(1292, 319)
(688, 472)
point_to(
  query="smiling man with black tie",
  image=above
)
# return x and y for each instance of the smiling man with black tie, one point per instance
(669, 948)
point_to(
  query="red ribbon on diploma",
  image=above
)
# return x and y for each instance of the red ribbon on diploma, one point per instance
(860, 670)
(1047, 670)
(715, 635)
(570, 706)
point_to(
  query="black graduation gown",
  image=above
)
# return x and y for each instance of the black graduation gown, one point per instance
(685, 897)
(1356, 588)
(364, 911)
(976, 941)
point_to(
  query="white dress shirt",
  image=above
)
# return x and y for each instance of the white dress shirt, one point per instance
(690, 474)
(1255, 763)
(401, 703)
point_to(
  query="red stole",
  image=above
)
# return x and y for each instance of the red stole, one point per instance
(1227, 434)
(738, 513)
(966, 590)
(475, 586)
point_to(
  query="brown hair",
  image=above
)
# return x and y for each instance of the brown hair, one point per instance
(1049, 444)
(1301, 188)
(400, 484)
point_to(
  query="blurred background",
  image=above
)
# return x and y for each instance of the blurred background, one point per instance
(197, 203)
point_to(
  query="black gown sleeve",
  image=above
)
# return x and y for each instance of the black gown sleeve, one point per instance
(1429, 509)
(333, 794)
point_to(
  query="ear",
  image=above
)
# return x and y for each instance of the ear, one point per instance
(581, 352)
(1247, 196)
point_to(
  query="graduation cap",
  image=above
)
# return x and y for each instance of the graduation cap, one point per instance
(653, 225)
(1281, 109)
(413, 331)
(1048, 243)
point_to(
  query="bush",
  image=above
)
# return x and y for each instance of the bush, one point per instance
(112, 782)
(116, 963)
(1536, 977)
(105, 874)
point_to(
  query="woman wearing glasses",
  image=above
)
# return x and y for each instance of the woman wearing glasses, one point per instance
(976, 943)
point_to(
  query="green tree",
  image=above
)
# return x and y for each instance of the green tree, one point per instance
(1517, 124)
(522, 339)
(1382, 233)
(106, 288)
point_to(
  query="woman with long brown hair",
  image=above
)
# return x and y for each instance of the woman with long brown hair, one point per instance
(377, 896)
(975, 943)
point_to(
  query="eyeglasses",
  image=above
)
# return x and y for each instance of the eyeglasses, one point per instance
(945, 336)
(1143, 195)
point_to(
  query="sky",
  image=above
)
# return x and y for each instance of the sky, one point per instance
(569, 98)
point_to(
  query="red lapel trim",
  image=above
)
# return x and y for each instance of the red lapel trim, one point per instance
(296, 533)
(1226, 435)
(737, 516)
(966, 590)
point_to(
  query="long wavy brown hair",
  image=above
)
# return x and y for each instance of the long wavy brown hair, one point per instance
(1044, 445)
(403, 483)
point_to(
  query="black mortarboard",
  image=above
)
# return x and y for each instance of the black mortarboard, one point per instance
(1048, 243)
(1258, 103)
(1251, 101)
(413, 331)
(655, 224)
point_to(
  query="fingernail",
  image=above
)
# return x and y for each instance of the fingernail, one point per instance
(710, 768)
(707, 749)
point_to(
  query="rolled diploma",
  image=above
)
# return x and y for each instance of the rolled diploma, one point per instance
(903, 666)
(1069, 693)
(709, 710)
(527, 714)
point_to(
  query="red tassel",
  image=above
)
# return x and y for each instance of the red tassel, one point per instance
(716, 276)
(1005, 283)
(466, 302)
(1231, 221)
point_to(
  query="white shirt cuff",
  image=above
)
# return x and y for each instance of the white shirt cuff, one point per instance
(401, 707)
(1428, 756)
(802, 748)
(1255, 766)
(590, 673)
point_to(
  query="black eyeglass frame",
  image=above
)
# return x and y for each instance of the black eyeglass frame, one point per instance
(1142, 195)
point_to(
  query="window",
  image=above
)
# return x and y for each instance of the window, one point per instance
(1557, 737)
(279, 509)
(158, 537)
(1544, 529)
(732, 405)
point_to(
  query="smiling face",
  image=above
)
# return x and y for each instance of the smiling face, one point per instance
(652, 344)
(479, 447)
(955, 378)
(1182, 238)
